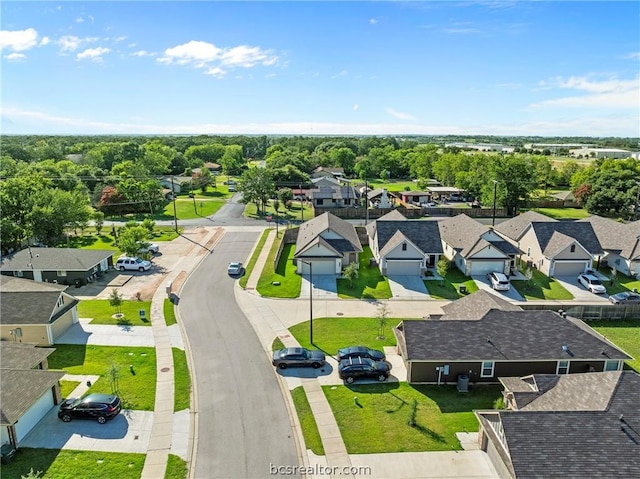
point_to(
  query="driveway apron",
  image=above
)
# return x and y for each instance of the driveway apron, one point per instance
(407, 287)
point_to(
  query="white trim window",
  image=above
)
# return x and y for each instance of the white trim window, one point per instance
(18, 274)
(563, 367)
(612, 365)
(61, 273)
(487, 369)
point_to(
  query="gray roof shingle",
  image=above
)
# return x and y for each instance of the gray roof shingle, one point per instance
(311, 230)
(475, 306)
(616, 237)
(514, 227)
(550, 241)
(464, 234)
(20, 389)
(54, 259)
(22, 355)
(424, 234)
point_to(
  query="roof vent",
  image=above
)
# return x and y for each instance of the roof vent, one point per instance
(565, 348)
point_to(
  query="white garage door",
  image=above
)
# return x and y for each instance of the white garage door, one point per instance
(569, 269)
(403, 268)
(319, 267)
(484, 267)
(34, 414)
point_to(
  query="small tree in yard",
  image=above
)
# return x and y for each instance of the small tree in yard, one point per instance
(276, 205)
(614, 275)
(32, 475)
(528, 273)
(382, 315)
(114, 374)
(98, 220)
(115, 300)
(443, 268)
(350, 273)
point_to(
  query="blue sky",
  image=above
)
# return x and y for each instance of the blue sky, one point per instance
(384, 68)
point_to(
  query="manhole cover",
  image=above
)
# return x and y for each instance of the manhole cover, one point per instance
(165, 370)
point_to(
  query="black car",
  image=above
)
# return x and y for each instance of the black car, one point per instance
(357, 367)
(626, 297)
(295, 357)
(100, 407)
(360, 351)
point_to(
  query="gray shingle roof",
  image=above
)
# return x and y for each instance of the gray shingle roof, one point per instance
(550, 242)
(20, 389)
(12, 284)
(616, 237)
(578, 444)
(55, 259)
(475, 306)
(22, 355)
(514, 227)
(333, 192)
(465, 235)
(378, 192)
(424, 234)
(312, 229)
(506, 336)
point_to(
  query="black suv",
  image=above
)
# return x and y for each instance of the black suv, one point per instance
(94, 406)
(360, 351)
(358, 367)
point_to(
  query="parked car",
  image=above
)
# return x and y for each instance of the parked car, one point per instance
(625, 298)
(499, 281)
(132, 264)
(360, 351)
(298, 357)
(148, 248)
(234, 268)
(100, 407)
(353, 368)
(592, 283)
(428, 204)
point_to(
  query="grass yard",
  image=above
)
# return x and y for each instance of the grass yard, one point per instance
(621, 284)
(187, 209)
(625, 333)
(285, 274)
(382, 415)
(564, 213)
(248, 268)
(450, 289)
(308, 424)
(370, 284)
(393, 185)
(70, 464)
(137, 389)
(105, 240)
(67, 387)
(169, 312)
(176, 468)
(542, 287)
(331, 334)
(182, 379)
(102, 312)
(277, 345)
(295, 213)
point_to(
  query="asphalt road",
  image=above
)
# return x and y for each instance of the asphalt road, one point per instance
(243, 423)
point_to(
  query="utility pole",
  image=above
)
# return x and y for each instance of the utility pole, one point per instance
(636, 207)
(366, 202)
(495, 191)
(173, 197)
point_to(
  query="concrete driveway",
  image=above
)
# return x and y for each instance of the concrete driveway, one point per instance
(129, 431)
(407, 287)
(105, 335)
(324, 286)
(579, 292)
(483, 283)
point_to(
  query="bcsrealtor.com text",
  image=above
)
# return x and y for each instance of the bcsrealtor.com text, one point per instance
(319, 470)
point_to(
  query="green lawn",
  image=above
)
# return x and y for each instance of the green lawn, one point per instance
(285, 274)
(66, 387)
(382, 415)
(102, 312)
(169, 312)
(295, 213)
(308, 424)
(331, 334)
(248, 268)
(70, 464)
(137, 389)
(176, 468)
(394, 185)
(621, 284)
(370, 283)
(450, 289)
(277, 345)
(542, 287)
(625, 333)
(182, 380)
(564, 213)
(187, 209)
(90, 239)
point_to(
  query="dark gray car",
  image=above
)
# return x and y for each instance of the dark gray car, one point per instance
(625, 298)
(297, 357)
(360, 351)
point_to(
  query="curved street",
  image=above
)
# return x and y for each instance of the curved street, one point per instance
(242, 423)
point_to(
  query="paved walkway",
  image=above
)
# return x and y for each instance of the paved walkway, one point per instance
(408, 287)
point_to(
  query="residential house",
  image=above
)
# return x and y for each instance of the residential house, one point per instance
(58, 265)
(404, 247)
(321, 181)
(502, 342)
(567, 197)
(415, 197)
(580, 425)
(374, 196)
(334, 196)
(176, 184)
(620, 242)
(328, 244)
(474, 248)
(34, 312)
(327, 172)
(556, 248)
(214, 168)
(28, 390)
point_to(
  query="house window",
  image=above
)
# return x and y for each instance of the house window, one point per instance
(319, 202)
(563, 367)
(62, 273)
(573, 248)
(612, 365)
(528, 251)
(404, 246)
(487, 369)
(18, 273)
(60, 301)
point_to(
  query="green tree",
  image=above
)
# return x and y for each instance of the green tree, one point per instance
(442, 268)
(157, 157)
(382, 316)
(98, 220)
(132, 239)
(115, 300)
(257, 186)
(285, 195)
(351, 273)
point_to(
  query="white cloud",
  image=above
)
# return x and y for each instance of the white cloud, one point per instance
(45, 41)
(94, 54)
(270, 75)
(70, 43)
(15, 57)
(632, 56)
(215, 60)
(373, 21)
(609, 92)
(355, 107)
(79, 20)
(143, 53)
(18, 40)
(399, 114)
(120, 39)
(343, 73)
